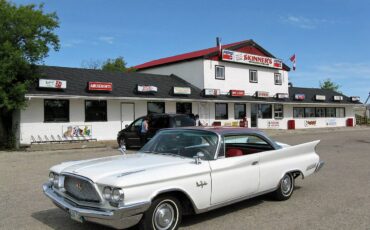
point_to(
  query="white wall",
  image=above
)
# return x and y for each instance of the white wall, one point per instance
(237, 77)
(191, 71)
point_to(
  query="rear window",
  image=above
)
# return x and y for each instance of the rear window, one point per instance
(183, 121)
(159, 122)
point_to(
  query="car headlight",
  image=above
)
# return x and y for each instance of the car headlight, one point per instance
(51, 177)
(56, 181)
(117, 195)
(107, 193)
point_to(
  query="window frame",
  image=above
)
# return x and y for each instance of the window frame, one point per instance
(57, 121)
(245, 110)
(161, 102)
(224, 72)
(227, 111)
(282, 112)
(261, 113)
(250, 76)
(316, 113)
(300, 108)
(334, 109)
(281, 79)
(336, 112)
(105, 119)
(182, 103)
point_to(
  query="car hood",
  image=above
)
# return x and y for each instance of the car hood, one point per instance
(117, 166)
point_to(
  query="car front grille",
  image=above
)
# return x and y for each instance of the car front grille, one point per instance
(80, 189)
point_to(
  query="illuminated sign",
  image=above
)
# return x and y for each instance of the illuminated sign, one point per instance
(181, 90)
(282, 95)
(100, 86)
(147, 89)
(262, 94)
(355, 98)
(52, 84)
(211, 92)
(237, 93)
(251, 59)
(320, 97)
(338, 98)
(299, 96)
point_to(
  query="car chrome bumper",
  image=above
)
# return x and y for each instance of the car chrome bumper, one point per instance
(319, 166)
(122, 217)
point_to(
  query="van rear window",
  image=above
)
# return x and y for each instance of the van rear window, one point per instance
(183, 121)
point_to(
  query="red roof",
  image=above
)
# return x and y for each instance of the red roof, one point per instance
(248, 46)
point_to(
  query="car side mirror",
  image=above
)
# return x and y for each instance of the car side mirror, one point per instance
(198, 157)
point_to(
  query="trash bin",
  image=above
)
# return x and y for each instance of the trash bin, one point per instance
(291, 124)
(350, 122)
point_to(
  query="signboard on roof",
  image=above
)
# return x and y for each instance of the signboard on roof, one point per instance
(211, 92)
(100, 86)
(237, 93)
(52, 84)
(355, 98)
(338, 98)
(181, 90)
(282, 95)
(147, 89)
(299, 96)
(320, 97)
(251, 59)
(262, 94)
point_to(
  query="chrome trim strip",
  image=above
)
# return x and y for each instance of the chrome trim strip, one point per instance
(319, 165)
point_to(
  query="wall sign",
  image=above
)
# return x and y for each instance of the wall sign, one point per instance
(273, 124)
(338, 98)
(331, 122)
(100, 86)
(251, 59)
(52, 84)
(320, 97)
(299, 96)
(147, 89)
(262, 94)
(355, 98)
(77, 130)
(237, 93)
(181, 90)
(211, 92)
(282, 95)
(310, 123)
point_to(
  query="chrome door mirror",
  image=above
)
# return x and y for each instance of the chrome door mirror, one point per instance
(198, 157)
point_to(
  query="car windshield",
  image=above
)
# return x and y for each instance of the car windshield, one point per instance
(183, 143)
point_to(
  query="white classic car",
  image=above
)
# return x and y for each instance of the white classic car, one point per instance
(178, 172)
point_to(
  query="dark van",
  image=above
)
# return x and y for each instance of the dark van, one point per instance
(130, 136)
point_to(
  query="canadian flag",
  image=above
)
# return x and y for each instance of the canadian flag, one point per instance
(293, 59)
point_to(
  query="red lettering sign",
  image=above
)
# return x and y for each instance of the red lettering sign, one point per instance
(100, 86)
(237, 93)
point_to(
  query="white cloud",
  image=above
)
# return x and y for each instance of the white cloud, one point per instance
(306, 23)
(72, 43)
(107, 39)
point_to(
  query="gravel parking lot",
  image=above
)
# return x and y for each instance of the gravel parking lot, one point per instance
(338, 197)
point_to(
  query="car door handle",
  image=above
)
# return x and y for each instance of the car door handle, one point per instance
(255, 163)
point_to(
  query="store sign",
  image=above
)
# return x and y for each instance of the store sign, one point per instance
(310, 123)
(262, 94)
(52, 84)
(237, 93)
(181, 90)
(273, 124)
(251, 59)
(211, 92)
(355, 98)
(331, 122)
(282, 95)
(100, 86)
(147, 89)
(299, 96)
(338, 98)
(320, 97)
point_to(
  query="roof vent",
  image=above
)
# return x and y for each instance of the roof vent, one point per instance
(290, 84)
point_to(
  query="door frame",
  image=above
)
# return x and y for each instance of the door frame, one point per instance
(121, 111)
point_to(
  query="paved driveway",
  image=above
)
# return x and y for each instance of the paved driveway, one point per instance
(336, 198)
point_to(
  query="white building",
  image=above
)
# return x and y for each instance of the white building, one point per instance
(245, 81)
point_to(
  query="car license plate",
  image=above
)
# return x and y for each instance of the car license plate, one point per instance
(75, 216)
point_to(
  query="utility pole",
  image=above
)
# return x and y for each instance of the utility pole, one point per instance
(368, 97)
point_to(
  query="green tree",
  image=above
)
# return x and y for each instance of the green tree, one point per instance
(116, 65)
(328, 84)
(26, 37)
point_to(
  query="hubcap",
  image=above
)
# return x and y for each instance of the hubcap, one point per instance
(164, 216)
(286, 185)
(122, 142)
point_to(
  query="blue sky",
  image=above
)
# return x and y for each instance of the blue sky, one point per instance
(330, 37)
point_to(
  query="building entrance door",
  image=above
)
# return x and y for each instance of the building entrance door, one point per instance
(127, 114)
(254, 115)
(204, 113)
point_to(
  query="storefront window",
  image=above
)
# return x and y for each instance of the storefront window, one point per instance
(156, 107)
(278, 111)
(95, 110)
(278, 79)
(298, 112)
(340, 112)
(239, 111)
(221, 111)
(266, 111)
(183, 108)
(309, 112)
(320, 112)
(56, 110)
(220, 72)
(253, 76)
(330, 112)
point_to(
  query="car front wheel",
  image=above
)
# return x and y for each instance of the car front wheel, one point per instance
(286, 187)
(122, 142)
(165, 213)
